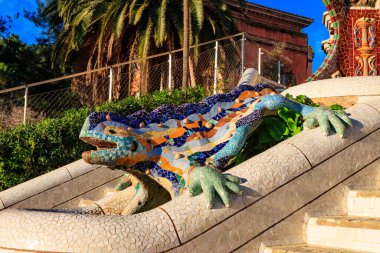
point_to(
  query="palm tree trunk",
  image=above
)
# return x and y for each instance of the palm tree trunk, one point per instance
(185, 69)
(192, 72)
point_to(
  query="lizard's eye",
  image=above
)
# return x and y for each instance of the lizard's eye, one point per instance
(112, 131)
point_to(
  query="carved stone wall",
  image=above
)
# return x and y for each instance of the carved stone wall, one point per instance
(365, 47)
(359, 49)
(370, 3)
(353, 48)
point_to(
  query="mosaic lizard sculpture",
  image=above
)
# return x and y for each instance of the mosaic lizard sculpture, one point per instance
(183, 148)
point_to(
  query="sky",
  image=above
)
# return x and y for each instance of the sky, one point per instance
(21, 26)
(310, 8)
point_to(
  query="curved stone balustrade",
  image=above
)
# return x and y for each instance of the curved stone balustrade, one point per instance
(339, 87)
(277, 184)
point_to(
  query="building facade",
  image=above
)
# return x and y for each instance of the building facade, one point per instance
(266, 28)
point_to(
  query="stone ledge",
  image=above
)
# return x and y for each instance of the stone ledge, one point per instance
(317, 148)
(364, 193)
(44, 183)
(347, 221)
(79, 168)
(373, 101)
(67, 192)
(34, 186)
(151, 231)
(344, 86)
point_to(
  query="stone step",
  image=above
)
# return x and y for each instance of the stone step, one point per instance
(364, 203)
(85, 202)
(306, 248)
(346, 232)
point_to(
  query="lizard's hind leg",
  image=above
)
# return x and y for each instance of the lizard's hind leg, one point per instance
(137, 192)
(132, 194)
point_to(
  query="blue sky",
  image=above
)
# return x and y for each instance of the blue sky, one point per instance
(21, 26)
(310, 8)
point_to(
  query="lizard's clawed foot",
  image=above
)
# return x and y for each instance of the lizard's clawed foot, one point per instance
(325, 118)
(208, 180)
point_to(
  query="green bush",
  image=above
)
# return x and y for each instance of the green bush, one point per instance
(31, 150)
(154, 100)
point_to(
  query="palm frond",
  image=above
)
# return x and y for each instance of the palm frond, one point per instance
(136, 11)
(160, 31)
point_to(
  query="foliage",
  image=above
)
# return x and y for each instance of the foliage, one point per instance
(31, 150)
(153, 100)
(272, 131)
(302, 99)
(105, 28)
(276, 129)
(336, 107)
(21, 63)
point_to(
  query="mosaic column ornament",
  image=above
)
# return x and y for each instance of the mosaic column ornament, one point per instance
(365, 43)
(335, 10)
(370, 3)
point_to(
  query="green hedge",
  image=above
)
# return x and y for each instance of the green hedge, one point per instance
(154, 100)
(29, 151)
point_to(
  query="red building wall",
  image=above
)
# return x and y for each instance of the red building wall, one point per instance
(265, 27)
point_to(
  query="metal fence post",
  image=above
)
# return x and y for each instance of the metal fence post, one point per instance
(243, 53)
(279, 71)
(170, 73)
(25, 104)
(110, 85)
(259, 63)
(216, 65)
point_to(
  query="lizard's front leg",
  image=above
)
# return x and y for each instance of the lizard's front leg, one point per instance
(210, 181)
(314, 116)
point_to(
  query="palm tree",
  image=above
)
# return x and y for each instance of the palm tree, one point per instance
(112, 31)
(185, 68)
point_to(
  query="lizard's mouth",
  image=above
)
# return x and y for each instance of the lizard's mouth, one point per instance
(99, 144)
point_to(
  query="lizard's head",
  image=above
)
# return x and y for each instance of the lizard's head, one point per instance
(114, 140)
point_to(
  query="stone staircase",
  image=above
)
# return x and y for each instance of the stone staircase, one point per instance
(358, 231)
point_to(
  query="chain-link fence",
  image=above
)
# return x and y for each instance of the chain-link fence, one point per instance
(271, 60)
(216, 65)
